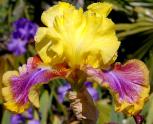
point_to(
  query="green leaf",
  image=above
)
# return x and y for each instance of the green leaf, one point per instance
(140, 53)
(129, 120)
(6, 117)
(116, 117)
(19, 9)
(149, 63)
(134, 31)
(104, 112)
(149, 119)
(44, 106)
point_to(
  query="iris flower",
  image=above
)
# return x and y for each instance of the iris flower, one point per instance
(23, 31)
(27, 116)
(78, 46)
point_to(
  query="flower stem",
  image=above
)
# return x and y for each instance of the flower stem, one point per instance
(138, 119)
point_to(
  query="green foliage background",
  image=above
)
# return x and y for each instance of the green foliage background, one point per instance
(134, 26)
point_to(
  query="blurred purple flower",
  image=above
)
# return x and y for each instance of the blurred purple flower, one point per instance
(92, 91)
(22, 118)
(25, 28)
(61, 91)
(23, 31)
(28, 114)
(33, 122)
(17, 46)
(17, 119)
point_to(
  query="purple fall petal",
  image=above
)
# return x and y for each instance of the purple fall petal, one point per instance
(128, 83)
(21, 85)
(25, 82)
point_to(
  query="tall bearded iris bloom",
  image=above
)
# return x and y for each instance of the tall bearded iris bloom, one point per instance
(77, 38)
(78, 46)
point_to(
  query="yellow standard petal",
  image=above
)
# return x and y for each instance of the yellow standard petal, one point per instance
(49, 15)
(78, 38)
(100, 9)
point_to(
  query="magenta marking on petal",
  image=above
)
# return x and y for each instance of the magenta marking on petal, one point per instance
(123, 85)
(33, 63)
(31, 74)
(22, 84)
(126, 80)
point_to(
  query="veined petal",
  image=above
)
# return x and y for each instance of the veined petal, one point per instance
(11, 103)
(49, 15)
(128, 83)
(20, 87)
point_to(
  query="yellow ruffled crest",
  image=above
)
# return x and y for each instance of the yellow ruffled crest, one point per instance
(100, 9)
(49, 15)
(10, 102)
(43, 42)
(77, 38)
